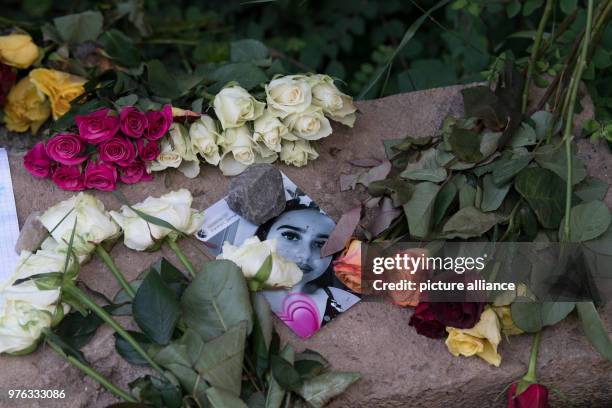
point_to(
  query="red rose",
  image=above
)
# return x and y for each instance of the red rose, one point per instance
(117, 150)
(148, 150)
(101, 176)
(159, 123)
(135, 172)
(66, 148)
(462, 315)
(7, 80)
(535, 396)
(37, 162)
(97, 126)
(425, 323)
(69, 178)
(133, 122)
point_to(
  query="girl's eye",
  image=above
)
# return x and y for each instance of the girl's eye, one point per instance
(290, 236)
(319, 244)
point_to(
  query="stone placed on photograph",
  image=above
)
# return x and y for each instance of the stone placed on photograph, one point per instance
(257, 194)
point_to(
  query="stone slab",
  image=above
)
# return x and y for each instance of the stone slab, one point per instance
(399, 368)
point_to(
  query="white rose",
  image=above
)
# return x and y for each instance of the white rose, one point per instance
(176, 151)
(238, 150)
(270, 130)
(94, 224)
(288, 94)
(21, 325)
(204, 136)
(298, 153)
(234, 106)
(251, 255)
(174, 208)
(309, 125)
(337, 105)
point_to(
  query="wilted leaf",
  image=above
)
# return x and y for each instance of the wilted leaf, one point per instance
(400, 191)
(377, 173)
(444, 199)
(594, 329)
(342, 233)
(466, 145)
(81, 27)
(217, 299)
(533, 316)
(365, 162)
(492, 195)
(587, 221)
(383, 217)
(524, 136)
(591, 188)
(419, 209)
(509, 166)
(555, 160)
(545, 193)
(320, 390)
(219, 398)
(469, 222)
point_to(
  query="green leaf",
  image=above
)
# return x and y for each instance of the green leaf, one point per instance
(555, 160)
(219, 398)
(262, 333)
(221, 359)
(603, 244)
(67, 348)
(567, 6)
(78, 28)
(545, 193)
(444, 199)
(492, 195)
(320, 390)
(400, 191)
(524, 136)
(128, 352)
(156, 308)
(466, 145)
(594, 329)
(470, 222)
(246, 74)
(533, 316)
(419, 209)
(248, 50)
(120, 48)
(285, 374)
(77, 330)
(426, 168)
(591, 188)
(543, 120)
(276, 393)
(408, 35)
(509, 166)
(467, 196)
(217, 299)
(587, 221)
(161, 82)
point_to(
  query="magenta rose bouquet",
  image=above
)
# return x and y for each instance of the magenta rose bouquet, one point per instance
(105, 147)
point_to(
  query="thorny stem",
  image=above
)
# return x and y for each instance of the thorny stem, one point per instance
(535, 51)
(569, 121)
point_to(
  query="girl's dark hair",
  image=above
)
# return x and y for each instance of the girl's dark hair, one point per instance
(327, 278)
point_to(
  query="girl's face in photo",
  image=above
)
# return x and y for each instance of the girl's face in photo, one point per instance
(300, 235)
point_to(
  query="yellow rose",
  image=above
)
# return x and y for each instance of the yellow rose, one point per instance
(505, 316)
(18, 50)
(26, 107)
(481, 340)
(60, 87)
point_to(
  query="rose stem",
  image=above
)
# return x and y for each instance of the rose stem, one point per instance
(569, 122)
(92, 373)
(181, 256)
(77, 293)
(106, 258)
(530, 377)
(534, 52)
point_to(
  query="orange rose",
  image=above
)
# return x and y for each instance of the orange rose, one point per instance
(348, 266)
(407, 297)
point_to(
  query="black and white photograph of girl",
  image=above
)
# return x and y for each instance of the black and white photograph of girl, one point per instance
(300, 232)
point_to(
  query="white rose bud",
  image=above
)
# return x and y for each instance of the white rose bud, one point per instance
(21, 325)
(94, 224)
(309, 125)
(234, 106)
(337, 105)
(270, 130)
(176, 151)
(251, 255)
(298, 153)
(174, 208)
(238, 150)
(204, 137)
(288, 94)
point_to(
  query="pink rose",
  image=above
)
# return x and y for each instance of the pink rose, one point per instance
(101, 176)
(66, 148)
(133, 122)
(118, 150)
(69, 178)
(37, 162)
(97, 126)
(148, 150)
(135, 172)
(159, 123)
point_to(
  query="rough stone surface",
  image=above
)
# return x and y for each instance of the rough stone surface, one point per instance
(257, 194)
(399, 368)
(31, 234)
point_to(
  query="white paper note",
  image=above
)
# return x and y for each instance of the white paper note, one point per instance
(9, 226)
